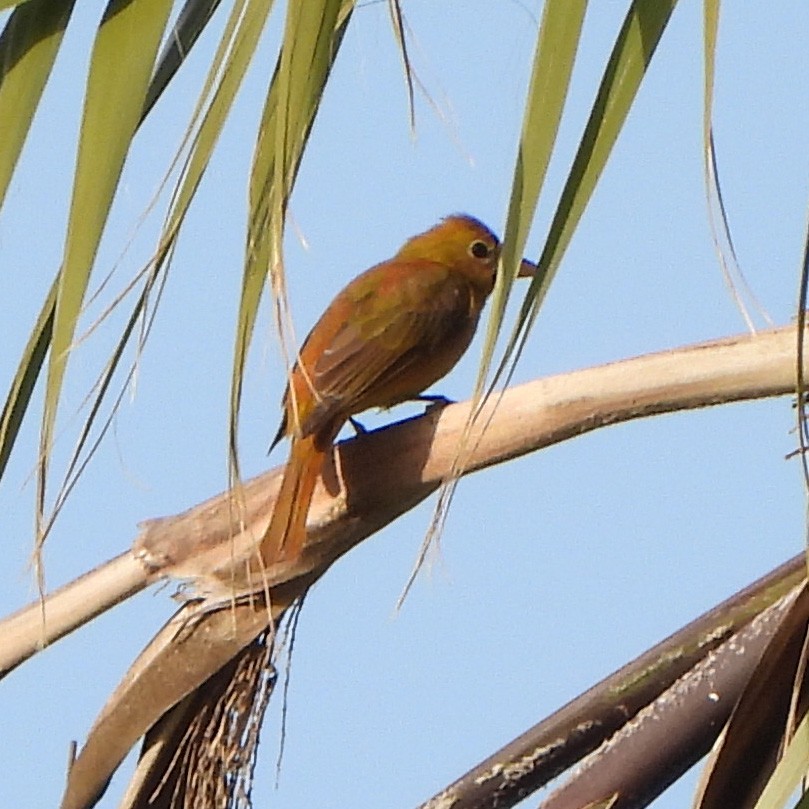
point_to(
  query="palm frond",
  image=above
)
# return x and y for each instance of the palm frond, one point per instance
(28, 47)
(129, 34)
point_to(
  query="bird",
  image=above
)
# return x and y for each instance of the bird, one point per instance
(390, 334)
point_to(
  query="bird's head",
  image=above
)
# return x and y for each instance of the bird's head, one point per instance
(464, 243)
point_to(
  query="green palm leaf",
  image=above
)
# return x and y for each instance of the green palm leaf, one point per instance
(127, 42)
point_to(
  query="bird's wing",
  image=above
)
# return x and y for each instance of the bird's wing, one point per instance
(383, 352)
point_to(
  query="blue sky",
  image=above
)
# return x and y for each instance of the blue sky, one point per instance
(554, 569)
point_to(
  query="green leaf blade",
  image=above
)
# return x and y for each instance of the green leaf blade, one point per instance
(28, 47)
(121, 65)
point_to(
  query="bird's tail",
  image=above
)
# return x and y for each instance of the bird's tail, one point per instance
(287, 529)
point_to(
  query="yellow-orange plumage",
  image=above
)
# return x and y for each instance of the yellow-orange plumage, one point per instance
(387, 336)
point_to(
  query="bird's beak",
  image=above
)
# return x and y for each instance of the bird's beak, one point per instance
(527, 269)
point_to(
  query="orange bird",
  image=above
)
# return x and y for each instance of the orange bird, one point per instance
(390, 334)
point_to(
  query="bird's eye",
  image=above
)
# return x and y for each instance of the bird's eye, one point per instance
(480, 249)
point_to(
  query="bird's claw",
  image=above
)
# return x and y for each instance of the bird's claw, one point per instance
(359, 427)
(434, 401)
